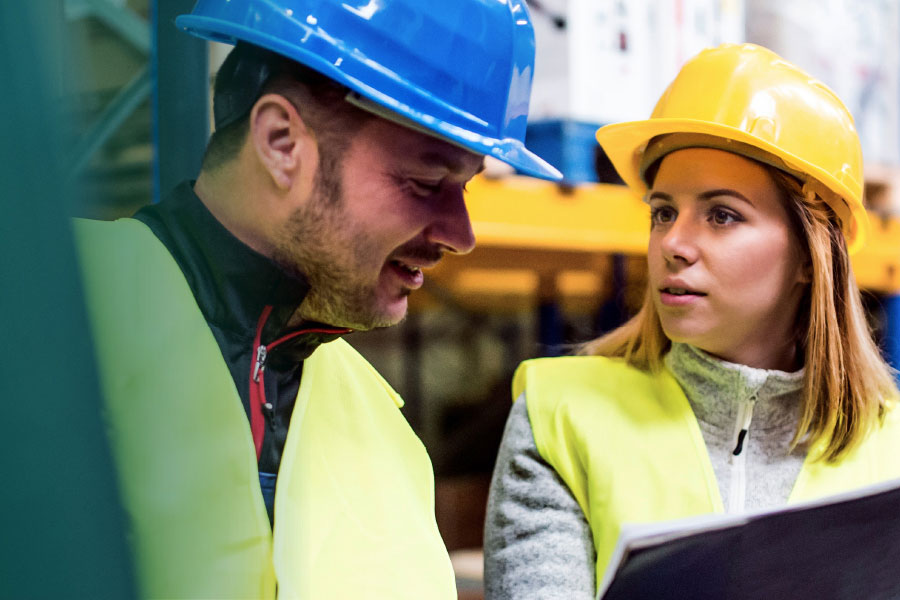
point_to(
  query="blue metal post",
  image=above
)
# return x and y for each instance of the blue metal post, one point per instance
(613, 311)
(892, 331)
(179, 68)
(550, 319)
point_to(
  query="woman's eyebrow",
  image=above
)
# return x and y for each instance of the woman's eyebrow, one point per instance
(657, 195)
(724, 192)
(707, 195)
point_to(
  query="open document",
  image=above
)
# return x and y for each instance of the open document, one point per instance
(844, 547)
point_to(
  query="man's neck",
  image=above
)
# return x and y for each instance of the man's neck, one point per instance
(234, 209)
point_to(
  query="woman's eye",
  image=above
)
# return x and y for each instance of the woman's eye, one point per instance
(661, 214)
(720, 216)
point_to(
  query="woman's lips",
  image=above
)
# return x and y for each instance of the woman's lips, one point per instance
(677, 296)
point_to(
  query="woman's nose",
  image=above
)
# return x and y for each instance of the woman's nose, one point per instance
(679, 243)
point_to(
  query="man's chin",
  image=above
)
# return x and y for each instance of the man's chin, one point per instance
(381, 319)
(392, 314)
(375, 313)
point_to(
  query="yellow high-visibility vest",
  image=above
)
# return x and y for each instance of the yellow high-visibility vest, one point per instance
(354, 508)
(629, 447)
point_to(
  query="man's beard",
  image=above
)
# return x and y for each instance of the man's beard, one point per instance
(315, 246)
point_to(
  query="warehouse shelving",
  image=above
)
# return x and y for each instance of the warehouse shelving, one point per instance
(541, 244)
(529, 230)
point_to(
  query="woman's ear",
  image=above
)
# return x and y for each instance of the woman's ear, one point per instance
(278, 136)
(805, 271)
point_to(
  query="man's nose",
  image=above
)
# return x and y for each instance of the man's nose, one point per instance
(451, 227)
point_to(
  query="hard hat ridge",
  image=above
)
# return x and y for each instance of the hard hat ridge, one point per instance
(461, 69)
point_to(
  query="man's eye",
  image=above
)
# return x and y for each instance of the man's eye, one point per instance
(425, 188)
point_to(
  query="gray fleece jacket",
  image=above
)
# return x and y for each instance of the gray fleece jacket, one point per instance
(538, 543)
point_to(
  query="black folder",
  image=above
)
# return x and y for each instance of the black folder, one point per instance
(845, 547)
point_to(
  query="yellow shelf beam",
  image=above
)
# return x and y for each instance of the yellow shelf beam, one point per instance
(527, 213)
(529, 230)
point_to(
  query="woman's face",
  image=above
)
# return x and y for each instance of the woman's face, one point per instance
(726, 271)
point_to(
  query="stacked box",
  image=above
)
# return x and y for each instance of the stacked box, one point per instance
(613, 58)
(853, 46)
(610, 62)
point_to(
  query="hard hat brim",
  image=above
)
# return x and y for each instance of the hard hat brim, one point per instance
(510, 151)
(624, 144)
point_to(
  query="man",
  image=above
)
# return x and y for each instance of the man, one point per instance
(344, 139)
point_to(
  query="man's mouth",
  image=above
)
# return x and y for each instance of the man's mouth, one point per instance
(412, 270)
(410, 275)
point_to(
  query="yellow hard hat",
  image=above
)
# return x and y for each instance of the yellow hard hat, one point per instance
(746, 99)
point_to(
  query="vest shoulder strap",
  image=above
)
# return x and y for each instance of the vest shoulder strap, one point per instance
(603, 413)
(873, 461)
(369, 530)
(624, 441)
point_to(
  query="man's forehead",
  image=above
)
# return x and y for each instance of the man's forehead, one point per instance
(455, 159)
(438, 149)
(408, 144)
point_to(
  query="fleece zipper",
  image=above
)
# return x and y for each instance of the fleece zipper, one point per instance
(738, 490)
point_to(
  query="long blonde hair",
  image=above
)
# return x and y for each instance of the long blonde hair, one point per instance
(847, 384)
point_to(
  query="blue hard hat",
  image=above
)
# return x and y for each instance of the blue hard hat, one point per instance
(458, 69)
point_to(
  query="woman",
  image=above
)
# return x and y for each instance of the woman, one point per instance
(749, 378)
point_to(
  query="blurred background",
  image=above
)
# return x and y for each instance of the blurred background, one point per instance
(556, 264)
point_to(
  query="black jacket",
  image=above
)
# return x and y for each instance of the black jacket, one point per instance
(233, 285)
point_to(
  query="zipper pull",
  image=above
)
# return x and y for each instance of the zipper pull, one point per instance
(269, 413)
(260, 362)
(744, 417)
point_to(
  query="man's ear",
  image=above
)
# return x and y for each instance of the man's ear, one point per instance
(279, 137)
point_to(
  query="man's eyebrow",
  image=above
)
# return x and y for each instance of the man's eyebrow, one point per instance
(453, 164)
